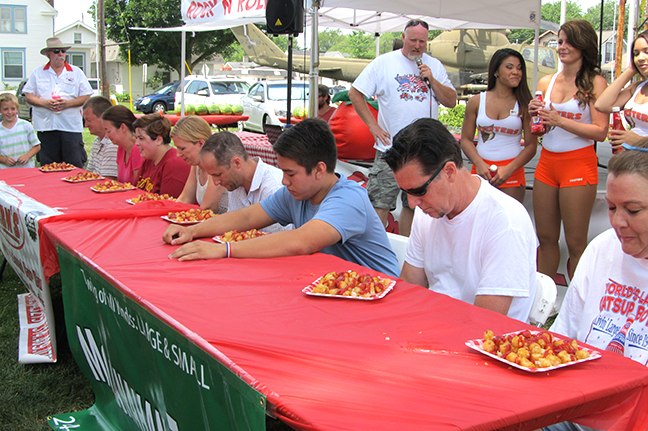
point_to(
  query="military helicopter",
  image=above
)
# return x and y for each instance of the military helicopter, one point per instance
(464, 53)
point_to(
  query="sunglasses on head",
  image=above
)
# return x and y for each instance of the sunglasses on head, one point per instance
(58, 50)
(420, 191)
(415, 22)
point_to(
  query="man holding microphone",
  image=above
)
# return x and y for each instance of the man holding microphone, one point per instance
(408, 84)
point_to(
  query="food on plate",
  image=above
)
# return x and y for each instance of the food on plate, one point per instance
(233, 235)
(350, 283)
(190, 216)
(151, 197)
(533, 350)
(83, 176)
(111, 185)
(53, 167)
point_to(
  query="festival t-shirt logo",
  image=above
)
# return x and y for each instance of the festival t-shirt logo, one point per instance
(411, 87)
(622, 323)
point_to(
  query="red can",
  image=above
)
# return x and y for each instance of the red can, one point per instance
(537, 126)
(617, 124)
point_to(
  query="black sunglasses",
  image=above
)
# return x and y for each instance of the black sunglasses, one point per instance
(57, 50)
(420, 191)
(415, 22)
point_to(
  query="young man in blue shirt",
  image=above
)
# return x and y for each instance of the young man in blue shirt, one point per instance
(331, 214)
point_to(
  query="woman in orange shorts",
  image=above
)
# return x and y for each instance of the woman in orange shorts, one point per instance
(500, 115)
(564, 189)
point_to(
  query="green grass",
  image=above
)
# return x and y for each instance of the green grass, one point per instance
(31, 393)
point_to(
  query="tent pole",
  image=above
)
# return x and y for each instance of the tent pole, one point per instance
(183, 54)
(313, 76)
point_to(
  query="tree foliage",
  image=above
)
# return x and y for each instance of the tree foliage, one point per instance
(160, 48)
(610, 11)
(550, 12)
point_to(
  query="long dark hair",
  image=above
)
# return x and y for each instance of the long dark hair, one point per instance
(581, 35)
(521, 92)
(644, 36)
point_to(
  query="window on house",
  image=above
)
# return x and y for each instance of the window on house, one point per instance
(13, 19)
(13, 64)
(77, 60)
(77, 38)
(609, 52)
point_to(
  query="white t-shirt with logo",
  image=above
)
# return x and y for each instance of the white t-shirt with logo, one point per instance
(608, 291)
(402, 95)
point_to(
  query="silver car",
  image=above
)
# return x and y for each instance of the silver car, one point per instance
(267, 101)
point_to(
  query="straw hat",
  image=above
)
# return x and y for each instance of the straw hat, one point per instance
(53, 43)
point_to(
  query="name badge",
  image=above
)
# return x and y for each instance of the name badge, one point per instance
(513, 113)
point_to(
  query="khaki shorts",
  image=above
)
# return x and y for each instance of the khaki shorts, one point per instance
(382, 187)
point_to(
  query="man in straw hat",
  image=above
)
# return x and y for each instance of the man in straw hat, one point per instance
(57, 91)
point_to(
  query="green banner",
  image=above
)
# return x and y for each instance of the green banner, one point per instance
(145, 375)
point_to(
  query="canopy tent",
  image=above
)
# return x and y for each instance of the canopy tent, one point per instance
(373, 16)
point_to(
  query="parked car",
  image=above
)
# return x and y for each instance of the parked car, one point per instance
(208, 90)
(267, 101)
(161, 100)
(24, 108)
(94, 83)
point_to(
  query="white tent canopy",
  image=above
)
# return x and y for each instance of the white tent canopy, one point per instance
(374, 16)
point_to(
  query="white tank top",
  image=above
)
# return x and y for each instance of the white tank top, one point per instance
(559, 140)
(200, 194)
(200, 188)
(636, 114)
(498, 139)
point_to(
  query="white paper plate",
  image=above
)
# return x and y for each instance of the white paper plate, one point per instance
(479, 346)
(308, 290)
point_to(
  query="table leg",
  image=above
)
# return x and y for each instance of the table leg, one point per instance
(2, 268)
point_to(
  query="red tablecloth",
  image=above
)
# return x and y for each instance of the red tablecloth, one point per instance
(293, 120)
(77, 201)
(215, 120)
(258, 145)
(398, 363)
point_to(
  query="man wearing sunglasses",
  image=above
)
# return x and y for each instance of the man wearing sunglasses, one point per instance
(408, 84)
(469, 240)
(57, 91)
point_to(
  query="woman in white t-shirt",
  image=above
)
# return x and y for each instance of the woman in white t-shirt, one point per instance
(566, 177)
(606, 303)
(188, 135)
(633, 98)
(500, 116)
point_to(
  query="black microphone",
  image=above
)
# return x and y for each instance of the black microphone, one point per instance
(418, 63)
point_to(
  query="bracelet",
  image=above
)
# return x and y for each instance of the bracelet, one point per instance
(228, 249)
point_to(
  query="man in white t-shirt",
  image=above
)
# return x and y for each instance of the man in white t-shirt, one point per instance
(469, 240)
(57, 91)
(248, 180)
(405, 91)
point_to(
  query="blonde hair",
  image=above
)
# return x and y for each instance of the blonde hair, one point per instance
(8, 97)
(192, 129)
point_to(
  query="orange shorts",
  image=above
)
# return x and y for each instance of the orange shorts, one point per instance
(568, 169)
(516, 179)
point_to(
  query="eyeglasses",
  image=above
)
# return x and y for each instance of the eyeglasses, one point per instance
(421, 191)
(415, 22)
(57, 50)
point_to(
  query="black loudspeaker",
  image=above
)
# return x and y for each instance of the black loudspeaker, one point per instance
(285, 16)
